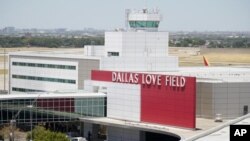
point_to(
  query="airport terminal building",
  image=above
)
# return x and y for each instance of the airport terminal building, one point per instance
(143, 86)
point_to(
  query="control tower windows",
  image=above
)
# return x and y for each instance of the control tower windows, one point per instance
(142, 24)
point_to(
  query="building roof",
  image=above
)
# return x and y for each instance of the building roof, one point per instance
(202, 125)
(66, 53)
(213, 74)
(56, 94)
(220, 133)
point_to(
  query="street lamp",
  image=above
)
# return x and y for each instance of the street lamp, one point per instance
(30, 106)
(12, 123)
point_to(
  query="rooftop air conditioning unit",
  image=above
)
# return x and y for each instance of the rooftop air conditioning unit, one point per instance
(218, 118)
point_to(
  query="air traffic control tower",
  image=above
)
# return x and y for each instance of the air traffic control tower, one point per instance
(141, 47)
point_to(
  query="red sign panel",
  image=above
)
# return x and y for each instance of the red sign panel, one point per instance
(165, 99)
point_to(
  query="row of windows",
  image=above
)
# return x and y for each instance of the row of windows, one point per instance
(44, 65)
(149, 24)
(25, 90)
(44, 79)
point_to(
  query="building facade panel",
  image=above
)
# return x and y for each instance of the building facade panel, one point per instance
(123, 100)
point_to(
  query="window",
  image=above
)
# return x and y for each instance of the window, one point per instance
(44, 79)
(113, 53)
(44, 65)
(25, 90)
(142, 24)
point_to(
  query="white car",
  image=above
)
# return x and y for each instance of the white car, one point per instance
(78, 139)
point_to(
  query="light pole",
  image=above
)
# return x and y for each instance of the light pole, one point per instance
(30, 106)
(13, 121)
(13, 124)
(4, 68)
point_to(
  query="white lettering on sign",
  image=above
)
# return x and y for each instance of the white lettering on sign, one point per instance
(175, 81)
(125, 77)
(151, 79)
(148, 79)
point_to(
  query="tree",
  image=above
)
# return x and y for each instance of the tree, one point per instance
(41, 134)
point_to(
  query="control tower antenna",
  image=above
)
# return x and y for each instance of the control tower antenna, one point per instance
(127, 11)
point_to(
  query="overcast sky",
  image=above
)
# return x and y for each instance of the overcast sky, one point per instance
(178, 15)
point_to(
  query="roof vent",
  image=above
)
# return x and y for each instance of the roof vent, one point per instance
(218, 118)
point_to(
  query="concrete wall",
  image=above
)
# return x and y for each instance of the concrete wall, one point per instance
(229, 99)
(225, 98)
(84, 71)
(204, 98)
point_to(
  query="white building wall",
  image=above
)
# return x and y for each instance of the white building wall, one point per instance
(123, 134)
(138, 51)
(123, 100)
(144, 17)
(43, 72)
(137, 44)
(94, 50)
(45, 86)
(113, 42)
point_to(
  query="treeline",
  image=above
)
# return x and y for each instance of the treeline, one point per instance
(50, 41)
(240, 42)
(230, 43)
(187, 42)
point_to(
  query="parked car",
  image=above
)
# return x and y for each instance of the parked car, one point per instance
(72, 134)
(78, 139)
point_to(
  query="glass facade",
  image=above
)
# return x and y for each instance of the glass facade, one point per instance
(59, 80)
(70, 67)
(142, 24)
(51, 110)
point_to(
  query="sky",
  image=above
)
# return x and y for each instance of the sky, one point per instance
(178, 15)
